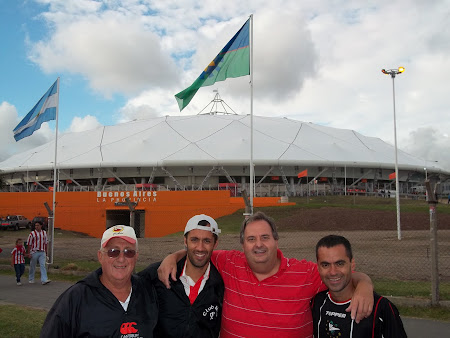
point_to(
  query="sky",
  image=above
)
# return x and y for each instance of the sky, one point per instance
(315, 61)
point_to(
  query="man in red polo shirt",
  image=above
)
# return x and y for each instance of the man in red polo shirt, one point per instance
(267, 294)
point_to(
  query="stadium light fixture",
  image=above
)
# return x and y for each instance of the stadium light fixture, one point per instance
(393, 73)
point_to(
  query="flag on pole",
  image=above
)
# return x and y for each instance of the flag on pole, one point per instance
(232, 61)
(43, 111)
(304, 173)
(392, 176)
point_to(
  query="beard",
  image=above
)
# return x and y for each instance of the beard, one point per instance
(196, 261)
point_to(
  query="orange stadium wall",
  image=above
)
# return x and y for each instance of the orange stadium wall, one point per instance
(164, 212)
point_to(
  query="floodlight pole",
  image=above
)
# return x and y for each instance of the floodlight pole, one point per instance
(393, 73)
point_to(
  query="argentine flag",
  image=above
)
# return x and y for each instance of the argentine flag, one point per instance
(45, 110)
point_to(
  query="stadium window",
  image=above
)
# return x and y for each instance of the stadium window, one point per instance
(114, 169)
(71, 172)
(158, 180)
(91, 171)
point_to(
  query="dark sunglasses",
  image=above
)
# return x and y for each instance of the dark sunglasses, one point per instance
(114, 253)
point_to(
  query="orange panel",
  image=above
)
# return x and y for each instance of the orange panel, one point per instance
(166, 212)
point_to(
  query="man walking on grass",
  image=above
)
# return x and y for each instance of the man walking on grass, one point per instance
(37, 251)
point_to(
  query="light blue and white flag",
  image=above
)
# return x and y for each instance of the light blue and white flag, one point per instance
(45, 110)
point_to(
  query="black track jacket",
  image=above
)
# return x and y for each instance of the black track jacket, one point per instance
(177, 317)
(89, 309)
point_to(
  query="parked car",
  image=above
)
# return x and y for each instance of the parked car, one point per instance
(42, 219)
(15, 222)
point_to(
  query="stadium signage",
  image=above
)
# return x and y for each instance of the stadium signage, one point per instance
(119, 196)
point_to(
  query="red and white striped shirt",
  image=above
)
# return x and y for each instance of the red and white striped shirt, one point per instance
(18, 255)
(37, 241)
(278, 306)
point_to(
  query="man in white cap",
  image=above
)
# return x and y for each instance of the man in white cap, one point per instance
(109, 302)
(193, 306)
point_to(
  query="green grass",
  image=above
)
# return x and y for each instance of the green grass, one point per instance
(230, 224)
(13, 325)
(20, 321)
(425, 312)
(359, 202)
(412, 289)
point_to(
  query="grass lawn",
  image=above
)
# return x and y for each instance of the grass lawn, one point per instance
(20, 321)
(13, 325)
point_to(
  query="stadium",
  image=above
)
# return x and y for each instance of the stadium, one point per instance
(139, 171)
(211, 152)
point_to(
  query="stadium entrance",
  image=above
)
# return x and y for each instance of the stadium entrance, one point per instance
(114, 217)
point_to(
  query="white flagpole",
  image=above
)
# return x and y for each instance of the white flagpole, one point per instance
(55, 185)
(252, 174)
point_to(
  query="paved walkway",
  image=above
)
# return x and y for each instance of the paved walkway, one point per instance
(43, 297)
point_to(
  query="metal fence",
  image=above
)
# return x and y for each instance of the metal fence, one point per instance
(370, 225)
(368, 222)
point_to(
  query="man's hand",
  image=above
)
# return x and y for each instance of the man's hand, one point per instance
(362, 301)
(168, 267)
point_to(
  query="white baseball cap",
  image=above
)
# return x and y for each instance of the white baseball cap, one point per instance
(119, 231)
(192, 224)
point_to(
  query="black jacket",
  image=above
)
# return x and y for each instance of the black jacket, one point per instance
(330, 318)
(89, 309)
(177, 317)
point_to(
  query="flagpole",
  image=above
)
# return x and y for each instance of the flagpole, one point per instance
(55, 186)
(252, 187)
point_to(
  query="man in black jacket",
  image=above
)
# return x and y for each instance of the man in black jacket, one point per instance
(109, 302)
(193, 305)
(335, 264)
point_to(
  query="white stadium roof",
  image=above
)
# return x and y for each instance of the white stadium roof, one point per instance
(212, 140)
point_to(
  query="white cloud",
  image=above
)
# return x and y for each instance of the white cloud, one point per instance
(431, 145)
(147, 105)
(314, 61)
(87, 122)
(113, 50)
(8, 145)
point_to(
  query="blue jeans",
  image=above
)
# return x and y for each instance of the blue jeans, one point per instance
(38, 256)
(20, 269)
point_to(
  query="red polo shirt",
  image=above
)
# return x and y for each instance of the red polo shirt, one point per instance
(278, 306)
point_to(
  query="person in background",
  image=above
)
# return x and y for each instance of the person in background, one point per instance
(336, 265)
(37, 251)
(193, 306)
(18, 259)
(109, 302)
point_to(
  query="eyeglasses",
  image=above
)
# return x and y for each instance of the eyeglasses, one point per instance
(114, 253)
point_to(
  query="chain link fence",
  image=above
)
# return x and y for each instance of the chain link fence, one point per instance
(369, 223)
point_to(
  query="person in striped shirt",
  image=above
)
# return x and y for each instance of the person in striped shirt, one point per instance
(37, 251)
(18, 259)
(267, 294)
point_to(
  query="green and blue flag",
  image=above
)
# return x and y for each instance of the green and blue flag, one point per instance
(232, 61)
